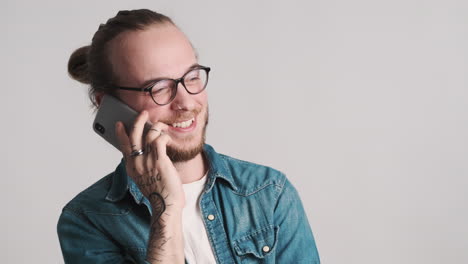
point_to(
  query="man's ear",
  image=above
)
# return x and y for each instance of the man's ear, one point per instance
(98, 97)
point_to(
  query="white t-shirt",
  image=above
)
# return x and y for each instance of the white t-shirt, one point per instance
(197, 247)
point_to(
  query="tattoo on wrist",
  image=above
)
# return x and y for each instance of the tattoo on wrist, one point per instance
(158, 204)
(158, 238)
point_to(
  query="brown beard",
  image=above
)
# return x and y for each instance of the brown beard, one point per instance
(180, 155)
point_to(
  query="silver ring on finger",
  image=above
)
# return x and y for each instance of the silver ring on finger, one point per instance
(136, 153)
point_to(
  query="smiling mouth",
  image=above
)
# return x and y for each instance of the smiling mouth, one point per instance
(184, 124)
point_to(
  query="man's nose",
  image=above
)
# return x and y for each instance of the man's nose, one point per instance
(183, 100)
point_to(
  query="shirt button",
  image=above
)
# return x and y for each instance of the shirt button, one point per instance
(211, 217)
(266, 249)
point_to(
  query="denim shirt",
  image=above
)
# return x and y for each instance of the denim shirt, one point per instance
(252, 214)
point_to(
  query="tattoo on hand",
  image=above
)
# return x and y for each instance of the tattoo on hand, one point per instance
(149, 182)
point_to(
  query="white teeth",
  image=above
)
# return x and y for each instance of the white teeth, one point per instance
(184, 124)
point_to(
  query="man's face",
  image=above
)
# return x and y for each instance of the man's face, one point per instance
(161, 51)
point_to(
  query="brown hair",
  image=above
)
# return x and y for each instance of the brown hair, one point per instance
(90, 65)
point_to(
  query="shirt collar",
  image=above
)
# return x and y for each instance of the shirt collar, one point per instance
(217, 169)
(121, 183)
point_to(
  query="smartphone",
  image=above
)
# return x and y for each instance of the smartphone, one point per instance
(110, 111)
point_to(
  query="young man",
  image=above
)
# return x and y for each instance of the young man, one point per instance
(173, 198)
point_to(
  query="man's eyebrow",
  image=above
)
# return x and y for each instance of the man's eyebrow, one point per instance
(195, 65)
(148, 82)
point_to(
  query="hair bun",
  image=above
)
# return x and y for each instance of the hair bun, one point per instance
(78, 65)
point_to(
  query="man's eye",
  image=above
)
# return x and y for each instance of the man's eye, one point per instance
(192, 77)
(192, 80)
(162, 90)
(161, 85)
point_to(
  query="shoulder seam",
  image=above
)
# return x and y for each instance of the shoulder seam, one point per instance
(281, 187)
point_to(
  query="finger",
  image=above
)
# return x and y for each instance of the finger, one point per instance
(123, 140)
(161, 145)
(155, 131)
(137, 142)
(125, 148)
(150, 165)
(149, 160)
(137, 131)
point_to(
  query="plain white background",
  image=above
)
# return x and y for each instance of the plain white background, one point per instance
(363, 104)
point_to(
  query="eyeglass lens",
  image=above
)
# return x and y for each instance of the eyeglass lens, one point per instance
(194, 81)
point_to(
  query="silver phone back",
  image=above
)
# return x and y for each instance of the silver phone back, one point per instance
(110, 111)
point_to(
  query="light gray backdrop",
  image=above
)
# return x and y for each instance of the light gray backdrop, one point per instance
(362, 103)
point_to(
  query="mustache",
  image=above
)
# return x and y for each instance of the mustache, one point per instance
(181, 116)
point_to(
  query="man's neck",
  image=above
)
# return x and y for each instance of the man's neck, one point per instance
(192, 170)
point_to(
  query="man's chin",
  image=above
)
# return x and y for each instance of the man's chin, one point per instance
(183, 155)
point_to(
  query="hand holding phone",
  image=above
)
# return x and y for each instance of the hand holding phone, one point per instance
(138, 131)
(152, 170)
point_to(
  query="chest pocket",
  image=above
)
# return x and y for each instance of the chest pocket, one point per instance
(257, 246)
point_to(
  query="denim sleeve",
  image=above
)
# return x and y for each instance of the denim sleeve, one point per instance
(295, 244)
(82, 242)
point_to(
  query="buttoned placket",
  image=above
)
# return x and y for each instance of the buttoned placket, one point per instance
(215, 228)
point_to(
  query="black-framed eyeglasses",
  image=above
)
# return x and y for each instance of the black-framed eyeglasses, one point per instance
(163, 91)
